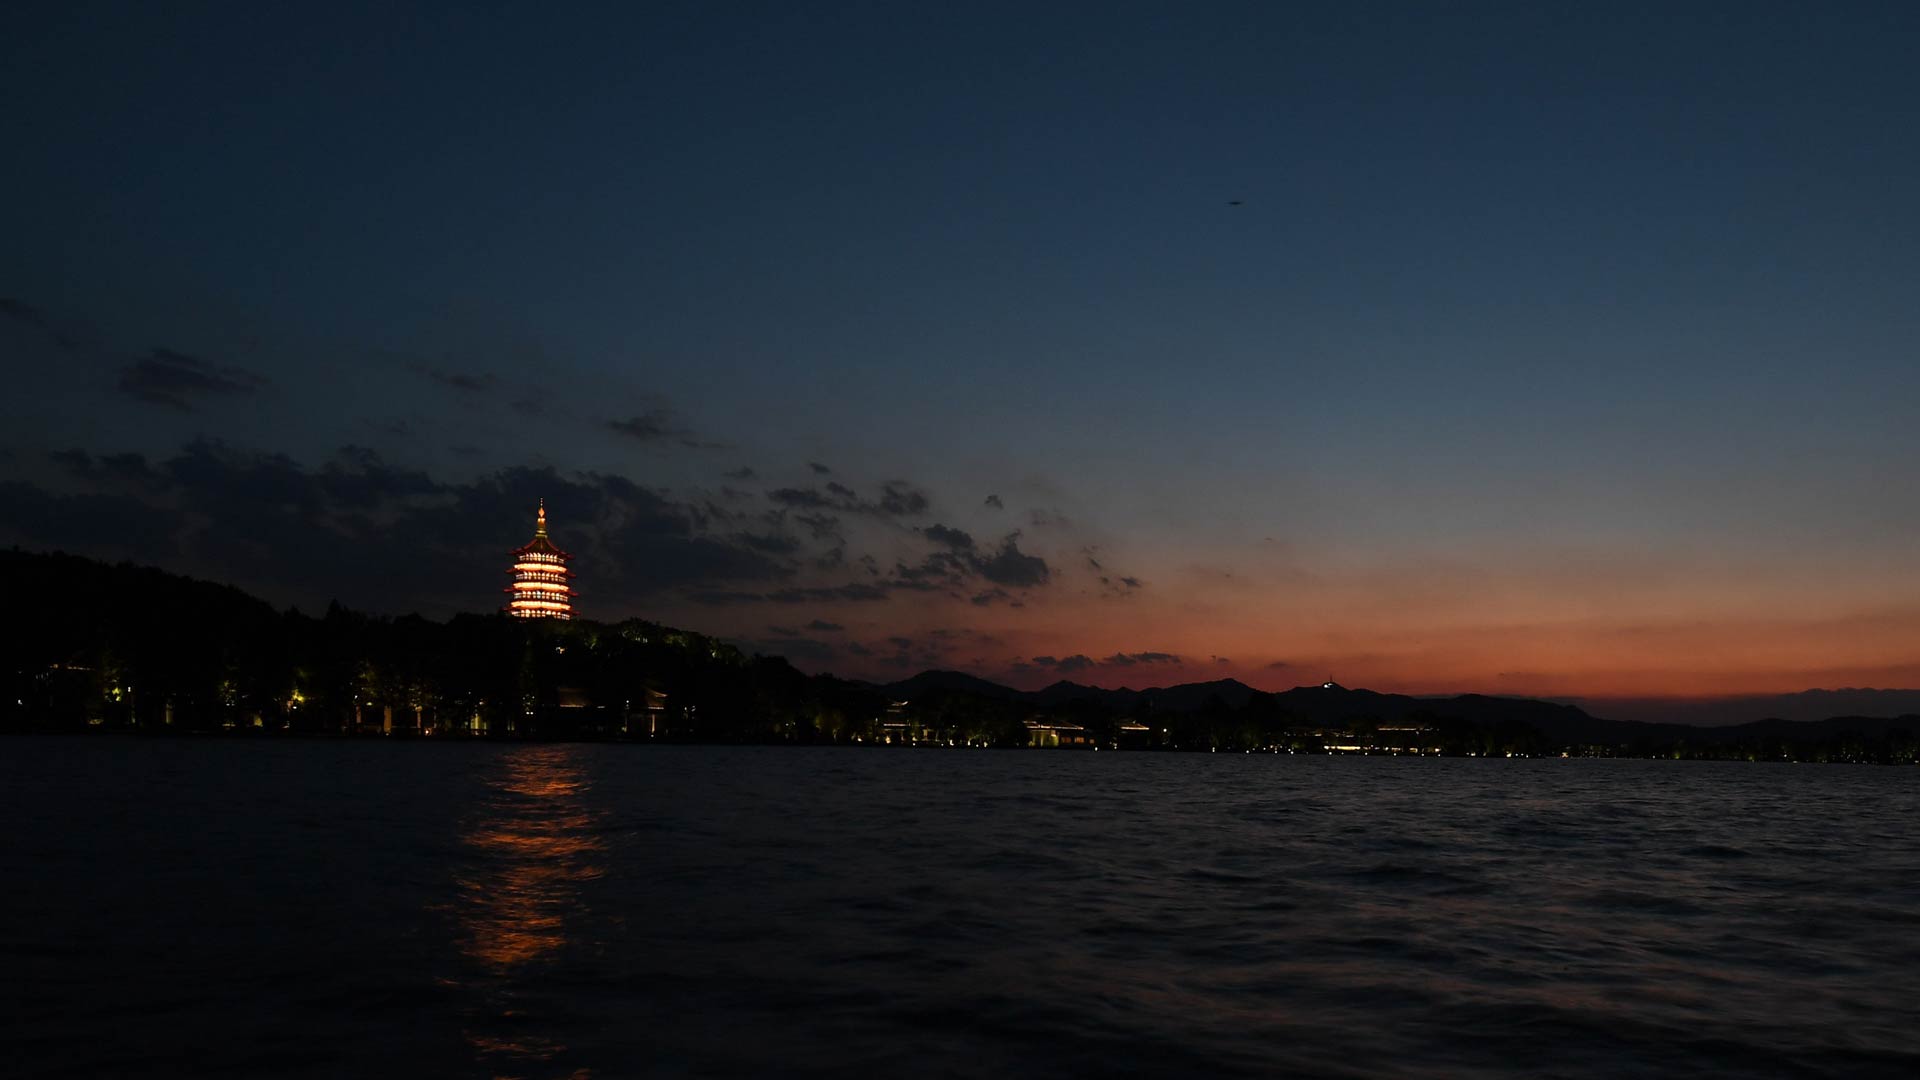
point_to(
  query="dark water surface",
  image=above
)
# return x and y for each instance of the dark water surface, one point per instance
(189, 909)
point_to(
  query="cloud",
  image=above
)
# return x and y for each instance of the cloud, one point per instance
(724, 597)
(851, 592)
(1083, 662)
(955, 569)
(377, 535)
(1134, 659)
(650, 426)
(819, 469)
(114, 471)
(804, 649)
(820, 526)
(953, 538)
(957, 563)
(660, 424)
(21, 311)
(395, 428)
(1011, 567)
(1278, 665)
(359, 479)
(179, 381)
(940, 569)
(806, 498)
(741, 473)
(994, 503)
(772, 543)
(909, 654)
(902, 500)
(28, 315)
(897, 499)
(823, 626)
(95, 523)
(1112, 586)
(464, 381)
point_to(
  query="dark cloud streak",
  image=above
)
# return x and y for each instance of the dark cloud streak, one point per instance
(897, 499)
(178, 381)
(659, 425)
(463, 381)
(377, 535)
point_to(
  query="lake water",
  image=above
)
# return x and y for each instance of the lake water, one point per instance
(356, 909)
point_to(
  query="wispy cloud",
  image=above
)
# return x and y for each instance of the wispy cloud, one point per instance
(178, 381)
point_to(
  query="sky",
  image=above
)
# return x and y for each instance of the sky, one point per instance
(1547, 349)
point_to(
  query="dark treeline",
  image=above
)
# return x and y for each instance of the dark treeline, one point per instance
(94, 647)
(126, 647)
(133, 648)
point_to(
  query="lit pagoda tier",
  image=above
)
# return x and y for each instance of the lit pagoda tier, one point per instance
(540, 587)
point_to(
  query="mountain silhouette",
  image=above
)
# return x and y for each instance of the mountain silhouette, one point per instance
(1334, 706)
(122, 646)
(1804, 706)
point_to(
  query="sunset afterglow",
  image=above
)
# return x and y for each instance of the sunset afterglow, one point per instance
(1465, 364)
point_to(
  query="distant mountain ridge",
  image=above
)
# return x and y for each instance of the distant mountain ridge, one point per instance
(122, 646)
(1806, 706)
(1335, 705)
(1329, 704)
(1185, 697)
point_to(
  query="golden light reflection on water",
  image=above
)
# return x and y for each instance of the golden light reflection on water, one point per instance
(532, 843)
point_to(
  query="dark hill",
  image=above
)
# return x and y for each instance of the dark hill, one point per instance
(1326, 705)
(97, 646)
(960, 681)
(1336, 705)
(1185, 697)
(1806, 705)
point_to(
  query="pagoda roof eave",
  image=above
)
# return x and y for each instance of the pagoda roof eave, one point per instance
(540, 545)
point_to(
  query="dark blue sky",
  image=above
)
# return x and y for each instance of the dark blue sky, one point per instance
(1565, 345)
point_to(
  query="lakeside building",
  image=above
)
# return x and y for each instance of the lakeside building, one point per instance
(1044, 732)
(542, 583)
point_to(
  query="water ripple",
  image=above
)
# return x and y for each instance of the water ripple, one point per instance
(588, 911)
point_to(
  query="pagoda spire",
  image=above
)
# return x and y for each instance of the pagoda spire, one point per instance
(540, 522)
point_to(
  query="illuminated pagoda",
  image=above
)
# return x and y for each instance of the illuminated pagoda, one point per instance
(540, 577)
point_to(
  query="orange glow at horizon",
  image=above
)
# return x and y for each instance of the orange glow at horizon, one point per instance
(1530, 624)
